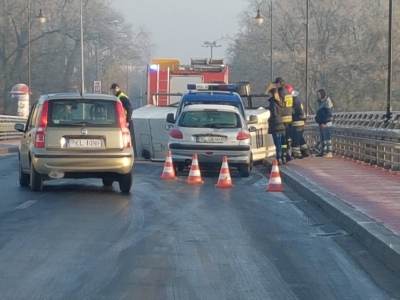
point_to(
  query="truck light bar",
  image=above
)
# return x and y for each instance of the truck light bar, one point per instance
(212, 87)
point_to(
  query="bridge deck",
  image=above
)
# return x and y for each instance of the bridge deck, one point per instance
(371, 190)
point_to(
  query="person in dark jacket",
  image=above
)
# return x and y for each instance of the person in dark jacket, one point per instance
(324, 120)
(126, 103)
(276, 126)
(299, 145)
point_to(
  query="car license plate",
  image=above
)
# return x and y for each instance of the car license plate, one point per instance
(211, 139)
(84, 143)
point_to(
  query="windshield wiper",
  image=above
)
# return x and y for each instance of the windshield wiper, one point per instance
(78, 123)
(219, 125)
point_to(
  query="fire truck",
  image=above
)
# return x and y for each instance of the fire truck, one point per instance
(167, 79)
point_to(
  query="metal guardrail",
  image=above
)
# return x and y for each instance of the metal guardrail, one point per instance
(363, 136)
(7, 130)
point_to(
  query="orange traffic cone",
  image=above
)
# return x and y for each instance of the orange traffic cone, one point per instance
(194, 174)
(169, 171)
(224, 180)
(275, 181)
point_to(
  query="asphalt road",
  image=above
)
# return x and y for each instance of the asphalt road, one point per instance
(167, 240)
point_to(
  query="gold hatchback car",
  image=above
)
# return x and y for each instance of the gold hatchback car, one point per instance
(74, 136)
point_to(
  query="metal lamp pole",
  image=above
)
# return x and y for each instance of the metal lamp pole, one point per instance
(389, 79)
(271, 50)
(82, 61)
(29, 44)
(307, 33)
(42, 19)
(260, 20)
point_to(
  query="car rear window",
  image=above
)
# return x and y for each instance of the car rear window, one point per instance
(217, 102)
(210, 119)
(82, 113)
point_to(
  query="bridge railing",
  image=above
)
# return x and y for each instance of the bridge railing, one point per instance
(364, 136)
(7, 130)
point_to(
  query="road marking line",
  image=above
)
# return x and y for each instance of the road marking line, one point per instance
(26, 204)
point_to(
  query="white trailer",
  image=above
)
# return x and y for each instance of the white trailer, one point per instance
(151, 133)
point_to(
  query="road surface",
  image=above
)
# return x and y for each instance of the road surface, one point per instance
(167, 240)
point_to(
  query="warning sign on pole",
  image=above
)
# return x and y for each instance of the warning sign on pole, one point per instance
(97, 87)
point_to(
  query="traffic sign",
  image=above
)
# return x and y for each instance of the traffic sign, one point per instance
(97, 87)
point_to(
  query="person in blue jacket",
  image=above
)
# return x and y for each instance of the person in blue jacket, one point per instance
(324, 118)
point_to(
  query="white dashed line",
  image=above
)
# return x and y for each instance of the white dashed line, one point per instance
(26, 204)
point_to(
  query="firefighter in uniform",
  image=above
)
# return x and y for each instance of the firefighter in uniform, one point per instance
(287, 118)
(126, 103)
(299, 145)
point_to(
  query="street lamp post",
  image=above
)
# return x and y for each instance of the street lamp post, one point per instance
(42, 20)
(389, 79)
(307, 33)
(260, 20)
(82, 52)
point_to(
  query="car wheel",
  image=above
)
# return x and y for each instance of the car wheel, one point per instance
(179, 168)
(108, 182)
(36, 180)
(125, 183)
(23, 178)
(245, 170)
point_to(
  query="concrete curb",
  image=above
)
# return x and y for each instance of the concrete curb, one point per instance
(8, 149)
(380, 241)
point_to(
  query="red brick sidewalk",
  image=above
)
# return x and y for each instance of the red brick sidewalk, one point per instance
(371, 190)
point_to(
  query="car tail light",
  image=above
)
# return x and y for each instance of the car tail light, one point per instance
(121, 117)
(126, 138)
(243, 135)
(40, 136)
(176, 134)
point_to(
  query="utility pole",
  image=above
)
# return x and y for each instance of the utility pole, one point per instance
(211, 45)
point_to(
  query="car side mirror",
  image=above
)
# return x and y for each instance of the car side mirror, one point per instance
(253, 120)
(252, 129)
(19, 127)
(170, 118)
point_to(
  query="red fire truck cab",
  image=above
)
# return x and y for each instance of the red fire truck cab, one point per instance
(167, 79)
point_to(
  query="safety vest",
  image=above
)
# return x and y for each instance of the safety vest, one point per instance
(121, 95)
(287, 117)
(119, 98)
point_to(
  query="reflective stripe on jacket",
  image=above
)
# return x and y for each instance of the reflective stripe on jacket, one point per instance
(287, 109)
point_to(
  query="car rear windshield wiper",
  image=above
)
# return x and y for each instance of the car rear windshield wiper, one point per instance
(220, 125)
(78, 123)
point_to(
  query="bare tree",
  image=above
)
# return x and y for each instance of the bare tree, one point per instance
(110, 44)
(347, 54)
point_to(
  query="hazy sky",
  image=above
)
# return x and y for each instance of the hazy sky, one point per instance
(179, 27)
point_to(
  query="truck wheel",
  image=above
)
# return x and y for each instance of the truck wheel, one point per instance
(36, 180)
(23, 178)
(107, 181)
(125, 183)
